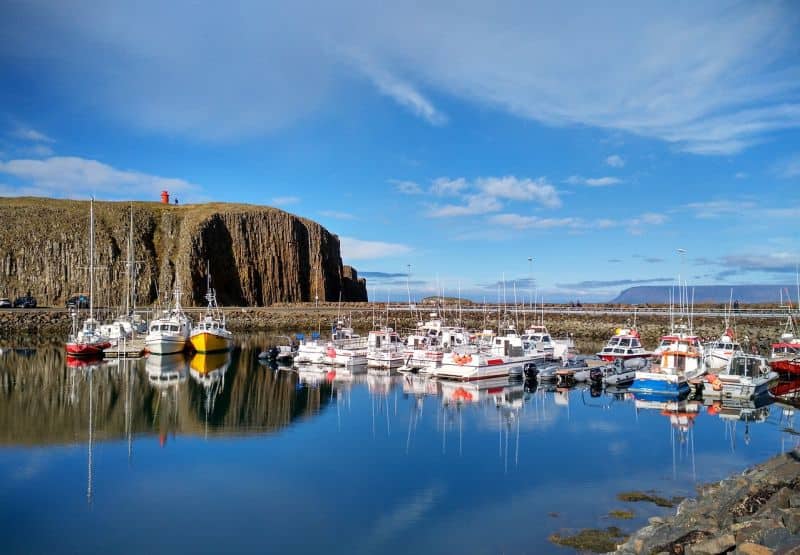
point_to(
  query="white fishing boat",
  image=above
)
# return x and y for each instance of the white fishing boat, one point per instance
(385, 350)
(310, 350)
(625, 344)
(537, 342)
(719, 352)
(210, 334)
(506, 356)
(346, 348)
(169, 333)
(426, 345)
(746, 376)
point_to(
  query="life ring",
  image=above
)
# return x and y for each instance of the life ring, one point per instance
(461, 360)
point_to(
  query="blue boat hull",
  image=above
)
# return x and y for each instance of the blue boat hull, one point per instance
(659, 387)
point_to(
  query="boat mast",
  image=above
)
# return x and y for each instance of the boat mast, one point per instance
(91, 258)
(129, 264)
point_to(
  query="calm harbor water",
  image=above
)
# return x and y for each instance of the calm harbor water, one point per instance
(225, 454)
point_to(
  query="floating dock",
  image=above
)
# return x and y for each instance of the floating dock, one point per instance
(133, 348)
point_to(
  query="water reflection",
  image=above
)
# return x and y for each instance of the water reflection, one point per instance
(332, 435)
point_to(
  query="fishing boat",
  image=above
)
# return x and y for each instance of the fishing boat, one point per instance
(425, 346)
(537, 342)
(786, 351)
(210, 334)
(719, 352)
(310, 350)
(746, 376)
(88, 342)
(506, 356)
(169, 333)
(385, 350)
(625, 344)
(680, 361)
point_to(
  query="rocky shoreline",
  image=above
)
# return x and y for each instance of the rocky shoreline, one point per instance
(754, 513)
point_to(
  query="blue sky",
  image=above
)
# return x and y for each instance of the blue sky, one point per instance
(460, 138)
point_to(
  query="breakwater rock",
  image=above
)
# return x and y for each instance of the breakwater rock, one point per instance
(258, 255)
(756, 512)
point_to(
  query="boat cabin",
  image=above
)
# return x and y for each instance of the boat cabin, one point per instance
(748, 366)
(164, 326)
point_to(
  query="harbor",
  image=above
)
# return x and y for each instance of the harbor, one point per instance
(239, 433)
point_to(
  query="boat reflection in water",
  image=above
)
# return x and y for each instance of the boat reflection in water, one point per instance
(208, 370)
(681, 414)
(732, 411)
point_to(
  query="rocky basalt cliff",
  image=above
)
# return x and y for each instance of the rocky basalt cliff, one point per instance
(257, 255)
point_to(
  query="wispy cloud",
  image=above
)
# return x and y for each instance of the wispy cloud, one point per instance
(285, 201)
(73, 176)
(518, 221)
(337, 215)
(358, 249)
(444, 186)
(741, 175)
(789, 168)
(712, 209)
(593, 181)
(711, 77)
(404, 93)
(475, 204)
(510, 187)
(32, 135)
(615, 161)
(382, 275)
(406, 187)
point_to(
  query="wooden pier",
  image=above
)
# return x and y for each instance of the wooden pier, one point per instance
(133, 348)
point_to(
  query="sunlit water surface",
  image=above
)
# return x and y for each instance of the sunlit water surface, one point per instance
(225, 454)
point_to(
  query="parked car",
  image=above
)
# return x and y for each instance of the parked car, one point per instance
(25, 302)
(5, 303)
(81, 300)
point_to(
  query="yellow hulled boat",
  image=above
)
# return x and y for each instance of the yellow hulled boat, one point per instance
(210, 334)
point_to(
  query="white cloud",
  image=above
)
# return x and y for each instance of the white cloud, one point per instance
(406, 95)
(444, 186)
(712, 77)
(513, 188)
(712, 209)
(406, 187)
(741, 175)
(651, 218)
(518, 221)
(615, 161)
(72, 176)
(602, 181)
(476, 204)
(356, 249)
(28, 134)
(337, 215)
(285, 201)
(593, 181)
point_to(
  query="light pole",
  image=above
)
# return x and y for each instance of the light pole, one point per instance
(530, 281)
(408, 284)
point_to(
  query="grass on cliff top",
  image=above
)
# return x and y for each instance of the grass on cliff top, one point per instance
(591, 539)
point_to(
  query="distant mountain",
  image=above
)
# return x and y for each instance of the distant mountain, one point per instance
(659, 294)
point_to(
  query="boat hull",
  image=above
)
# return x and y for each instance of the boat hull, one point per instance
(786, 366)
(165, 345)
(86, 350)
(207, 342)
(659, 384)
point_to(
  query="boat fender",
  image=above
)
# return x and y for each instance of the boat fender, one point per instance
(715, 382)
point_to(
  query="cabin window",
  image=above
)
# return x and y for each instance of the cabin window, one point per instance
(153, 328)
(173, 328)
